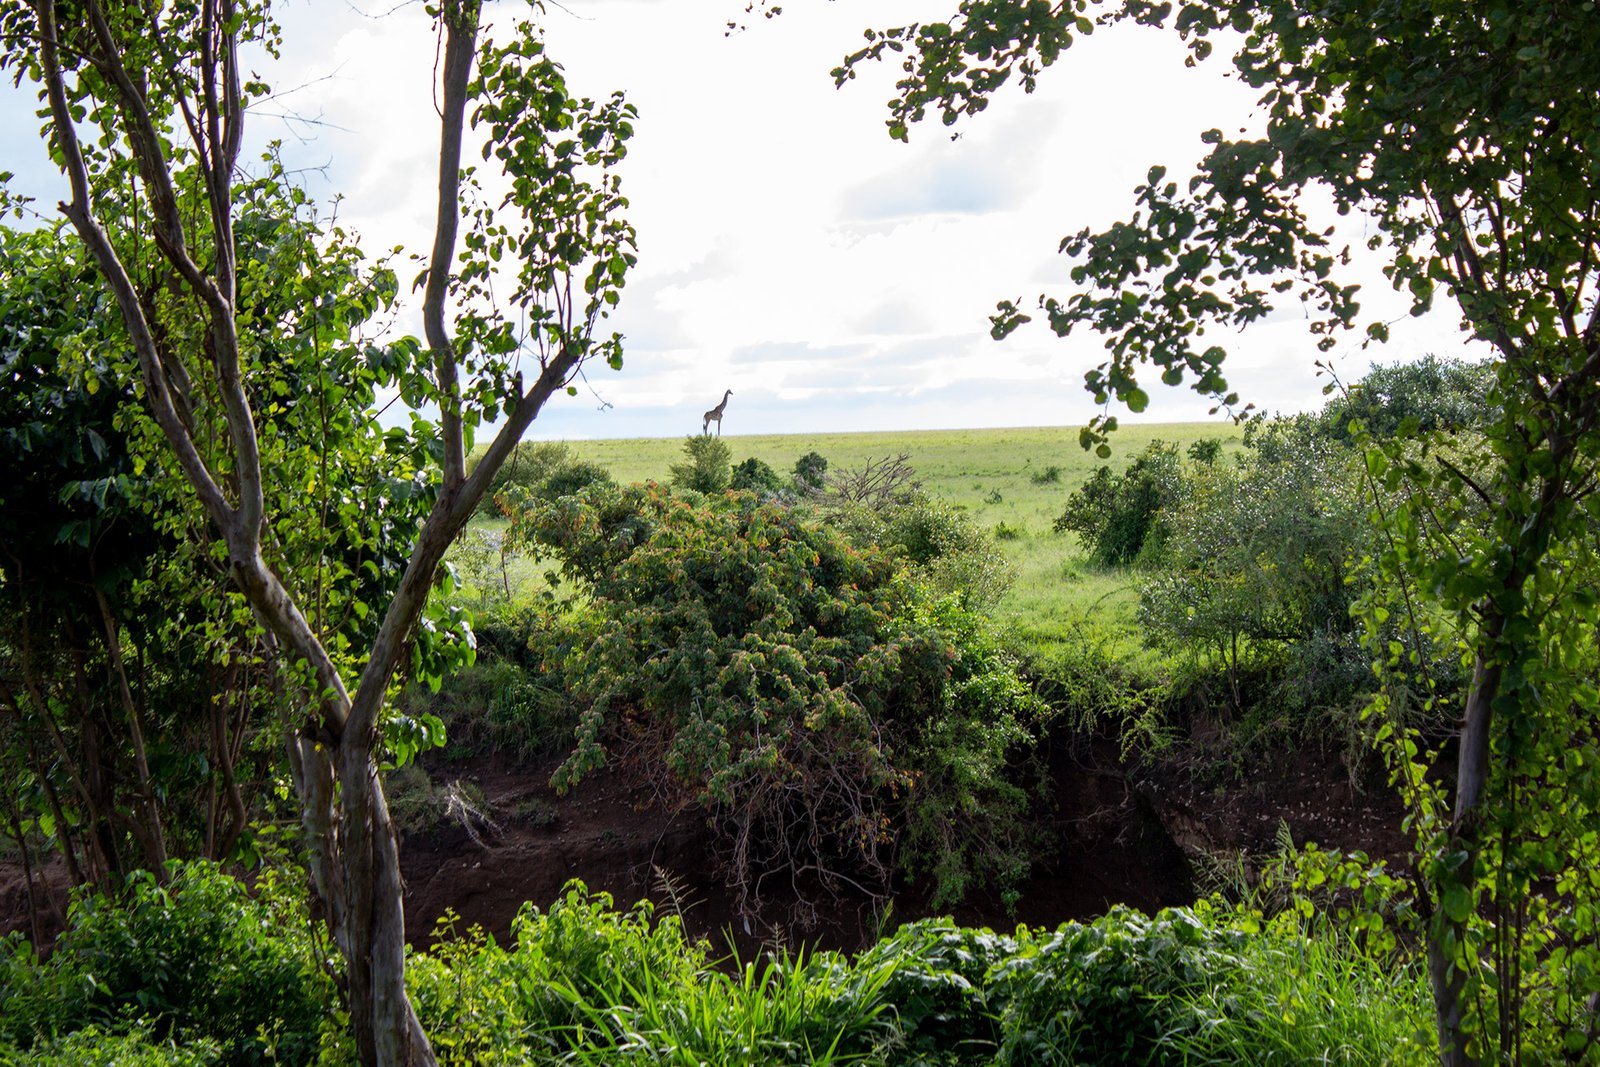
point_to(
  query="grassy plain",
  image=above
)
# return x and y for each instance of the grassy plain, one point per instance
(1002, 478)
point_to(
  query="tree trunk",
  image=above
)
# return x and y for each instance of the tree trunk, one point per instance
(386, 1027)
(1446, 934)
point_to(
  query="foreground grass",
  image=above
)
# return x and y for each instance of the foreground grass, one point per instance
(201, 974)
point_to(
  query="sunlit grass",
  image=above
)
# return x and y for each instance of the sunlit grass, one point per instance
(1002, 478)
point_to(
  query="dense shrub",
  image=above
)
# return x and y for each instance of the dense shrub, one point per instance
(1204, 986)
(706, 467)
(947, 551)
(1083, 673)
(810, 472)
(969, 810)
(482, 1003)
(1206, 451)
(538, 468)
(570, 477)
(197, 959)
(756, 476)
(94, 1047)
(804, 692)
(585, 984)
(1403, 399)
(1259, 555)
(500, 703)
(938, 986)
(1121, 518)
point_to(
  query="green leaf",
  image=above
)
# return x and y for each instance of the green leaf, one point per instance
(1457, 903)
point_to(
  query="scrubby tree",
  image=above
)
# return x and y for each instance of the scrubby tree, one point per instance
(1465, 134)
(756, 476)
(1258, 556)
(810, 472)
(135, 675)
(1124, 517)
(877, 485)
(835, 721)
(155, 100)
(706, 466)
(1406, 399)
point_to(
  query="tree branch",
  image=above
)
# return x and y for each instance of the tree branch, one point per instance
(1465, 478)
(158, 384)
(460, 23)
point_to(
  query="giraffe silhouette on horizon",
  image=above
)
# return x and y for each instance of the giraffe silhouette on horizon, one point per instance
(715, 415)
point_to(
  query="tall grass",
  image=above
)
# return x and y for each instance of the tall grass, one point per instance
(1204, 986)
(582, 983)
(1312, 1000)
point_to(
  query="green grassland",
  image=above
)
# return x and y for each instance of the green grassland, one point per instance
(1000, 477)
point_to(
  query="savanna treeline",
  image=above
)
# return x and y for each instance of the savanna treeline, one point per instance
(233, 615)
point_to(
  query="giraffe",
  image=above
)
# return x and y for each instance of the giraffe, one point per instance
(715, 415)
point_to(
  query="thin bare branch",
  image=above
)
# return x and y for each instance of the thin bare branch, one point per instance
(460, 25)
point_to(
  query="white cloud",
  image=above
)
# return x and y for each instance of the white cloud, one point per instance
(789, 250)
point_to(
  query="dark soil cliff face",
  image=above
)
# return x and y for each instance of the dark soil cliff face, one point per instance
(1110, 848)
(1148, 836)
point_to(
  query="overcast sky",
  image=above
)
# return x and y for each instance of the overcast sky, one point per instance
(834, 279)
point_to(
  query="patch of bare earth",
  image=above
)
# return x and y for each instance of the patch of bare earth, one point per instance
(1117, 835)
(1140, 835)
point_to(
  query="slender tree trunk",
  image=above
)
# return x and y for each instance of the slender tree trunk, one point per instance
(21, 838)
(153, 836)
(1445, 934)
(387, 1029)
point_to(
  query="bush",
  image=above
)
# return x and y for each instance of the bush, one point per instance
(1122, 518)
(499, 703)
(586, 984)
(569, 478)
(756, 476)
(938, 981)
(706, 466)
(1089, 682)
(196, 959)
(969, 813)
(801, 690)
(94, 1047)
(1404, 399)
(948, 552)
(529, 464)
(810, 473)
(583, 983)
(1050, 475)
(1206, 451)
(542, 469)
(1259, 558)
(567, 966)
(1205, 986)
